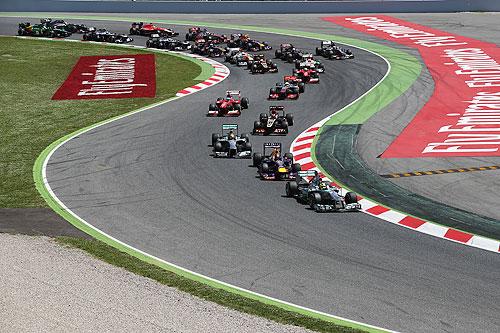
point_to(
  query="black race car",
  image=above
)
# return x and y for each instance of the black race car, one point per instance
(207, 49)
(230, 144)
(320, 195)
(103, 35)
(69, 27)
(329, 50)
(259, 64)
(276, 122)
(288, 53)
(196, 33)
(167, 43)
(274, 166)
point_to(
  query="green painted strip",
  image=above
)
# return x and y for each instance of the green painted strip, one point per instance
(38, 167)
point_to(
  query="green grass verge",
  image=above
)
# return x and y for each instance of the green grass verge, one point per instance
(228, 299)
(30, 72)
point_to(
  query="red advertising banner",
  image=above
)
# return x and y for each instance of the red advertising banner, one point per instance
(462, 118)
(123, 76)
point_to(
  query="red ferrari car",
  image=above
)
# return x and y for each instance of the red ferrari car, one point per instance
(147, 29)
(306, 75)
(230, 106)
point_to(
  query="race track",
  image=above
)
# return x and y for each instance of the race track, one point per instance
(148, 180)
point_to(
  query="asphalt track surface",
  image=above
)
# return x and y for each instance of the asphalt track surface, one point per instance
(149, 181)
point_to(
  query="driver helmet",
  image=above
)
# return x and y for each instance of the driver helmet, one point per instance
(323, 186)
(274, 114)
(231, 135)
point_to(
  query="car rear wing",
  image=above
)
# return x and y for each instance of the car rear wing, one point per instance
(233, 92)
(306, 173)
(229, 127)
(155, 36)
(277, 108)
(272, 145)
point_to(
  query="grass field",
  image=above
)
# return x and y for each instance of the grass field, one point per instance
(30, 73)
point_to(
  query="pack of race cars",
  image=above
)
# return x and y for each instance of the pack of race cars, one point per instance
(242, 51)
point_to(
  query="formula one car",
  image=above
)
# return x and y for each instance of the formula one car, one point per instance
(259, 64)
(272, 166)
(208, 49)
(167, 43)
(307, 61)
(197, 33)
(230, 144)
(244, 42)
(103, 35)
(240, 58)
(291, 88)
(41, 30)
(61, 24)
(306, 75)
(288, 53)
(148, 29)
(329, 50)
(276, 122)
(230, 106)
(321, 195)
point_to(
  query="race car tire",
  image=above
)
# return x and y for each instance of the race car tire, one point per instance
(254, 69)
(272, 91)
(291, 188)
(277, 54)
(318, 51)
(245, 137)
(215, 138)
(351, 197)
(245, 102)
(218, 146)
(264, 168)
(148, 43)
(297, 64)
(314, 198)
(289, 119)
(237, 108)
(296, 167)
(212, 107)
(256, 125)
(288, 155)
(247, 146)
(256, 158)
(302, 87)
(263, 118)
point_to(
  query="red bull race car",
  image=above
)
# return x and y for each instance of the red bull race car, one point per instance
(271, 165)
(230, 106)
